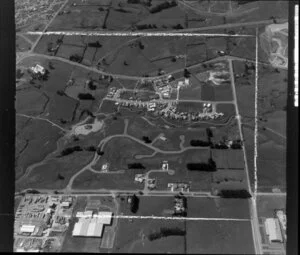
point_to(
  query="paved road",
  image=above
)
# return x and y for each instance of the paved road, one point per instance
(252, 203)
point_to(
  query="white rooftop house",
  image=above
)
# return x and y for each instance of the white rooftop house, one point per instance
(38, 69)
(180, 83)
(186, 81)
(104, 167)
(273, 230)
(165, 165)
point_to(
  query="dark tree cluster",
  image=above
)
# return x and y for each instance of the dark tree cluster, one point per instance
(60, 93)
(242, 193)
(60, 177)
(162, 6)
(19, 73)
(144, 2)
(221, 146)
(85, 96)
(136, 166)
(100, 152)
(75, 58)
(210, 166)
(199, 143)
(141, 45)
(165, 232)
(96, 44)
(91, 85)
(145, 26)
(240, 2)
(186, 73)
(134, 203)
(32, 191)
(146, 139)
(178, 26)
(122, 10)
(90, 148)
(70, 150)
(236, 145)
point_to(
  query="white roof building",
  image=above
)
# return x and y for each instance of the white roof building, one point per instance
(92, 227)
(104, 217)
(273, 230)
(38, 69)
(65, 204)
(27, 228)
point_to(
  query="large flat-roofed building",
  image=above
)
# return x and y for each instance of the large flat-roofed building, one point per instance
(91, 225)
(27, 229)
(273, 230)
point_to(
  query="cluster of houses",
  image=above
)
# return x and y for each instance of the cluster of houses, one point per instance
(111, 92)
(207, 113)
(150, 182)
(179, 186)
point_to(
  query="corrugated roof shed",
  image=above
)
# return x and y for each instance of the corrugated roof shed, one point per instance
(77, 228)
(84, 228)
(273, 230)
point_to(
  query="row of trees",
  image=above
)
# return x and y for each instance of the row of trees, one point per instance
(210, 166)
(136, 166)
(165, 232)
(70, 150)
(162, 6)
(241, 193)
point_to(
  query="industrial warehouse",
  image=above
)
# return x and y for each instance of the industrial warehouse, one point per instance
(91, 225)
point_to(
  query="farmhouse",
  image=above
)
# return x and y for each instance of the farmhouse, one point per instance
(38, 69)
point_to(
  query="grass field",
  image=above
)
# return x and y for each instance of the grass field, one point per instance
(189, 107)
(90, 180)
(132, 237)
(219, 237)
(62, 107)
(228, 159)
(229, 179)
(33, 133)
(234, 240)
(266, 205)
(46, 175)
(271, 166)
(22, 44)
(31, 102)
(272, 128)
(119, 159)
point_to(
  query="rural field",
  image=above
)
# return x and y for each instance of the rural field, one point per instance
(139, 231)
